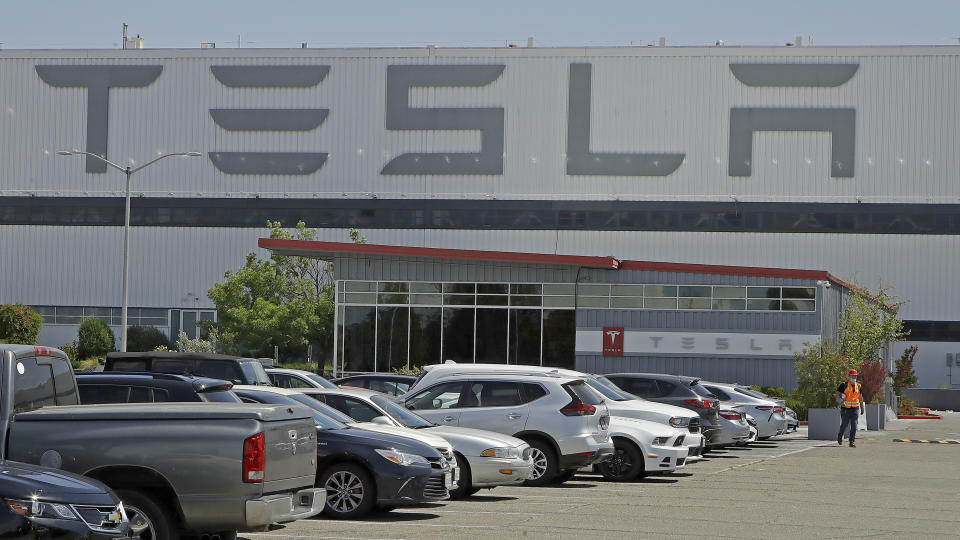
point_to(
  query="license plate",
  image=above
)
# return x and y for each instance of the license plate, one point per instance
(448, 480)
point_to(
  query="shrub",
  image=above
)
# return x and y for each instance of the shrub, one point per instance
(71, 351)
(904, 377)
(798, 407)
(906, 405)
(773, 391)
(199, 345)
(872, 376)
(416, 371)
(820, 370)
(145, 338)
(19, 324)
(94, 338)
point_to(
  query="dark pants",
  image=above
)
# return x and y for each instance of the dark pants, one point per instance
(849, 415)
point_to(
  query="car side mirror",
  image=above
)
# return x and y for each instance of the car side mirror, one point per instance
(381, 420)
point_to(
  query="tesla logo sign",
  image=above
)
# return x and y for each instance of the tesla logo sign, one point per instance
(613, 341)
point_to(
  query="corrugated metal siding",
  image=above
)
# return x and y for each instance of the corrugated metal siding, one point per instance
(772, 321)
(419, 270)
(643, 100)
(761, 371)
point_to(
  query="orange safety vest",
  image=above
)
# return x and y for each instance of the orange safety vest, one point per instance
(851, 396)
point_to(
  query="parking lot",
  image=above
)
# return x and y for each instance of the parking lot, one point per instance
(790, 488)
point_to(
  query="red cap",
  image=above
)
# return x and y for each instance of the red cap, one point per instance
(853, 372)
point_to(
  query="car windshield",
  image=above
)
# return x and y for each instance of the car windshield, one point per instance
(321, 381)
(254, 373)
(584, 392)
(405, 417)
(324, 419)
(608, 393)
(701, 391)
(328, 410)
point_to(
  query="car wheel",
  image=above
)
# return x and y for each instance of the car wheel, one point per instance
(544, 463)
(625, 465)
(149, 520)
(464, 485)
(349, 491)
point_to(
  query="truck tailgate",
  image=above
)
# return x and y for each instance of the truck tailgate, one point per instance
(291, 447)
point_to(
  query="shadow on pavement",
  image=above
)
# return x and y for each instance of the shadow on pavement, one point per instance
(488, 498)
(570, 485)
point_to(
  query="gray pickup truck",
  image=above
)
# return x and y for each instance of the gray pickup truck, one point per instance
(178, 468)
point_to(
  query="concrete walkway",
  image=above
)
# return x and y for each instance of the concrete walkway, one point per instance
(791, 488)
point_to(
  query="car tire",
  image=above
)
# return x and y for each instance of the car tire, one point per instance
(149, 519)
(565, 476)
(626, 464)
(465, 484)
(544, 463)
(228, 535)
(350, 491)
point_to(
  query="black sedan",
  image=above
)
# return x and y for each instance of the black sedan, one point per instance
(37, 502)
(354, 464)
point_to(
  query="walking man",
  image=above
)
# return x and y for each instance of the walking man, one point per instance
(851, 407)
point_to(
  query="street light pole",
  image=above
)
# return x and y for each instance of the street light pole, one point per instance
(128, 171)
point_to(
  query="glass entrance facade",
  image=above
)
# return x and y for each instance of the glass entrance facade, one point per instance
(388, 324)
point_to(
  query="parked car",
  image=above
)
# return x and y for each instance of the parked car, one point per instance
(38, 502)
(686, 392)
(215, 366)
(486, 459)
(565, 422)
(767, 413)
(180, 468)
(118, 387)
(619, 403)
(387, 383)
(793, 421)
(361, 468)
(297, 378)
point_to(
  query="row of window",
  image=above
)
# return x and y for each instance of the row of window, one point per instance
(109, 315)
(700, 216)
(933, 330)
(566, 295)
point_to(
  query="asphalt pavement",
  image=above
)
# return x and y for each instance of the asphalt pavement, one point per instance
(788, 488)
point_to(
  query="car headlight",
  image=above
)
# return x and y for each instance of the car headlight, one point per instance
(680, 422)
(402, 458)
(660, 441)
(41, 509)
(501, 452)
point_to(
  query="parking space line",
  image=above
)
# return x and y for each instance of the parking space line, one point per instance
(774, 457)
(417, 511)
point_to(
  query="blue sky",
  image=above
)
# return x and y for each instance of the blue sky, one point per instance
(30, 24)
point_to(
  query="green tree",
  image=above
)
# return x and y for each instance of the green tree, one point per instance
(868, 324)
(19, 324)
(283, 301)
(94, 338)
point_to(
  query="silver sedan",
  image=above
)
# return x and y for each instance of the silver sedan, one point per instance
(486, 459)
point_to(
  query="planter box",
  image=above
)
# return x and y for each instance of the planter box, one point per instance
(823, 424)
(876, 417)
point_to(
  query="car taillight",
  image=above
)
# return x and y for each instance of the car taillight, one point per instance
(730, 415)
(700, 404)
(254, 458)
(780, 409)
(578, 408)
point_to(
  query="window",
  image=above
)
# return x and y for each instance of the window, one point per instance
(524, 344)
(718, 392)
(442, 396)
(140, 394)
(93, 394)
(492, 336)
(176, 367)
(532, 392)
(559, 338)
(584, 392)
(645, 388)
(358, 409)
(458, 327)
(253, 371)
(493, 394)
(288, 381)
(665, 388)
(392, 332)
(33, 388)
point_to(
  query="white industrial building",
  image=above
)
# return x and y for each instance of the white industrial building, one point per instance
(835, 159)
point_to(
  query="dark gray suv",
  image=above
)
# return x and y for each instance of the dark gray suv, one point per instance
(676, 390)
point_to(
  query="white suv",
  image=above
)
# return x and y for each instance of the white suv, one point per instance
(564, 421)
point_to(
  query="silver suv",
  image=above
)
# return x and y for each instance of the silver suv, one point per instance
(564, 421)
